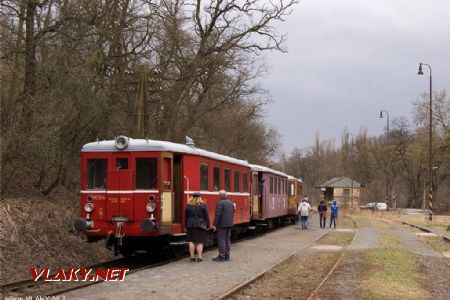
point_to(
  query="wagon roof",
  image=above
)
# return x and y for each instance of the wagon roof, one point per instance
(259, 168)
(158, 146)
(290, 177)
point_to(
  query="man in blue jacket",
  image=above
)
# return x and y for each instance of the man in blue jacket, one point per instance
(223, 223)
(334, 213)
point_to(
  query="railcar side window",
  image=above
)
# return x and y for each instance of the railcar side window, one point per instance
(285, 187)
(146, 173)
(271, 185)
(244, 183)
(237, 181)
(204, 177)
(216, 178)
(227, 180)
(279, 185)
(96, 173)
(121, 163)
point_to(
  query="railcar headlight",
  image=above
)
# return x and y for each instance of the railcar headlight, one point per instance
(88, 207)
(151, 207)
(122, 142)
(90, 199)
(151, 198)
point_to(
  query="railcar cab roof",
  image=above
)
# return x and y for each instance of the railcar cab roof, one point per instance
(259, 168)
(135, 145)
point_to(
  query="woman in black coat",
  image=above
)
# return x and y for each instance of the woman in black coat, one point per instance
(196, 223)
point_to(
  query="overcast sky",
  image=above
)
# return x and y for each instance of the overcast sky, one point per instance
(348, 59)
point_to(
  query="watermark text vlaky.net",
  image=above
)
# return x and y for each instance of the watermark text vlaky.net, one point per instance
(79, 274)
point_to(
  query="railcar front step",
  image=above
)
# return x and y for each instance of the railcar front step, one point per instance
(262, 224)
(251, 227)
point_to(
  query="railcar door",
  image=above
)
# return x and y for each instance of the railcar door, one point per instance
(255, 195)
(167, 199)
(119, 201)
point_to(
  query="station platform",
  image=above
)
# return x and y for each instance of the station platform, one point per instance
(208, 280)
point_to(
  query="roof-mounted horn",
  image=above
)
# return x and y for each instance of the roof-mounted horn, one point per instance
(190, 142)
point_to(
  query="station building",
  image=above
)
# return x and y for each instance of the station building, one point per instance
(346, 191)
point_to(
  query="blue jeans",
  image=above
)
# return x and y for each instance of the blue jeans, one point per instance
(304, 222)
(333, 220)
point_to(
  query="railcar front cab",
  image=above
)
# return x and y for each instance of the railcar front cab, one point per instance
(123, 194)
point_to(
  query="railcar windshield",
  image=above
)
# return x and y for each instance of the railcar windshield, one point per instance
(96, 173)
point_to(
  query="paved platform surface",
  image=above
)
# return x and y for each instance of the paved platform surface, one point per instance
(208, 280)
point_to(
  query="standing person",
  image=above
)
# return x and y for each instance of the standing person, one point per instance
(322, 209)
(196, 223)
(303, 211)
(223, 223)
(334, 213)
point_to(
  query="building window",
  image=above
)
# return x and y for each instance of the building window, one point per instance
(237, 181)
(346, 192)
(271, 185)
(227, 178)
(96, 173)
(204, 177)
(244, 183)
(146, 173)
(216, 178)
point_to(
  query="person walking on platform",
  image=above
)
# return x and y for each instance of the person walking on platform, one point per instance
(223, 223)
(334, 213)
(303, 211)
(196, 223)
(322, 209)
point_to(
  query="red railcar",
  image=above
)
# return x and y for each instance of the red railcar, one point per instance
(134, 191)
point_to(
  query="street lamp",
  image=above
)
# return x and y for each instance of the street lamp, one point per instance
(430, 144)
(388, 198)
(351, 157)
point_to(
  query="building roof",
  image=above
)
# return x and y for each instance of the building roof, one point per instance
(341, 182)
(158, 146)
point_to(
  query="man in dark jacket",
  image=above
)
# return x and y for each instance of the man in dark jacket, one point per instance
(223, 222)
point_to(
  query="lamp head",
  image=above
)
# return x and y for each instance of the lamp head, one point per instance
(381, 114)
(420, 70)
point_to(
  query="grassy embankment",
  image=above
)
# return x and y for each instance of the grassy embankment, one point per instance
(38, 232)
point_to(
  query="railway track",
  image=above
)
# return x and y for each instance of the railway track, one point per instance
(245, 284)
(425, 229)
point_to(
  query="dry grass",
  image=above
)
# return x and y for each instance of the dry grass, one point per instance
(38, 232)
(392, 274)
(336, 238)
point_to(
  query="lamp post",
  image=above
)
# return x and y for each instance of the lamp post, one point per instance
(388, 198)
(430, 144)
(351, 157)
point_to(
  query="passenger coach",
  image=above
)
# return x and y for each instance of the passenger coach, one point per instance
(134, 191)
(269, 196)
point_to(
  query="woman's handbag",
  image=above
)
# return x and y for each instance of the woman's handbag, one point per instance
(201, 223)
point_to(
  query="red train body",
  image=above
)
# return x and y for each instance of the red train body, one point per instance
(134, 191)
